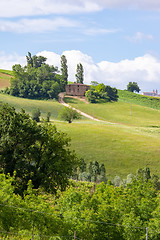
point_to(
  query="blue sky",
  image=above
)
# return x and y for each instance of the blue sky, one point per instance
(117, 41)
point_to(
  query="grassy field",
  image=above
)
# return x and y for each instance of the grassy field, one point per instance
(122, 149)
(129, 97)
(29, 105)
(120, 112)
(128, 140)
(5, 76)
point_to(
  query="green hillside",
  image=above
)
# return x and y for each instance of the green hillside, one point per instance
(146, 101)
(29, 105)
(129, 137)
(121, 112)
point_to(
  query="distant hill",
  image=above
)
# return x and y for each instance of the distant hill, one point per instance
(134, 98)
(5, 76)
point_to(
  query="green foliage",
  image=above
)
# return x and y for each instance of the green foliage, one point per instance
(36, 152)
(101, 93)
(93, 172)
(37, 80)
(94, 211)
(64, 71)
(36, 113)
(133, 87)
(68, 114)
(48, 116)
(80, 73)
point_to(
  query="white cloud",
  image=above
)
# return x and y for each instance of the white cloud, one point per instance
(128, 4)
(144, 70)
(52, 58)
(139, 36)
(35, 25)
(98, 31)
(7, 61)
(14, 8)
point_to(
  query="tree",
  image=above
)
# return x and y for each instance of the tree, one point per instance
(36, 152)
(64, 71)
(133, 87)
(36, 80)
(101, 93)
(48, 116)
(80, 73)
(68, 114)
(35, 61)
(36, 113)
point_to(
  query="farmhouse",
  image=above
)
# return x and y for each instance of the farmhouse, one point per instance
(154, 93)
(77, 89)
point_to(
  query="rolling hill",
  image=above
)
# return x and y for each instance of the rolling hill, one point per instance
(128, 139)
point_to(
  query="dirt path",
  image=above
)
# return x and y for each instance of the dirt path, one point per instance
(61, 96)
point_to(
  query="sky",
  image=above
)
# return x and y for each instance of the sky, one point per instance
(117, 41)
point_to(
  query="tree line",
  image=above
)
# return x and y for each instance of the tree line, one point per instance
(39, 80)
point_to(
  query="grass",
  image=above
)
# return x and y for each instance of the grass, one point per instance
(129, 144)
(5, 76)
(133, 141)
(28, 105)
(146, 101)
(8, 72)
(122, 149)
(120, 112)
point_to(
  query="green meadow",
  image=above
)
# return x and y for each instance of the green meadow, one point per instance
(127, 139)
(122, 149)
(29, 105)
(120, 112)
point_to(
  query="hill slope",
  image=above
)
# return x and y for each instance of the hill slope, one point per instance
(133, 141)
(5, 76)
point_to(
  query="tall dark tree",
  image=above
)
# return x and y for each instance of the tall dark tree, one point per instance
(80, 73)
(133, 87)
(64, 71)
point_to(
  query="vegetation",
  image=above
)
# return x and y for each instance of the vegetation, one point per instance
(138, 99)
(36, 80)
(122, 112)
(5, 76)
(133, 87)
(64, 71)
(36, 159)
(80, 73)
(101, 93)
(36, 113)
(34, 152)
(87, 210)
(29, 105)
(69, 114)
(7, 72)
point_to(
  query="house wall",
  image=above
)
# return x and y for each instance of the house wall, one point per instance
(77, 89)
